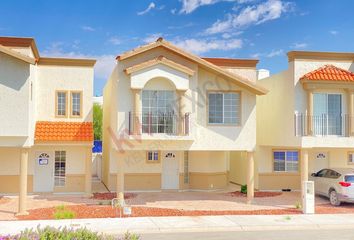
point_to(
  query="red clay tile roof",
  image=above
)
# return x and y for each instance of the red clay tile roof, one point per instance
(64, 131)
(329, 73)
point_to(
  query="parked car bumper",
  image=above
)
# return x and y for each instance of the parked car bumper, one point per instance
(345, 198)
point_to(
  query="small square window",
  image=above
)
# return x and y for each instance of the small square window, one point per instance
(153, 157)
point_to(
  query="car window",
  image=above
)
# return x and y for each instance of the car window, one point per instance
(349, 178)
(321, 173)
(332, 174)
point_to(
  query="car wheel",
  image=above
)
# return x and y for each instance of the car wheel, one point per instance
(333, 198)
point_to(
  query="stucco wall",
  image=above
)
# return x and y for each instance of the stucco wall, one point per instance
(15, 78)
(53, 78)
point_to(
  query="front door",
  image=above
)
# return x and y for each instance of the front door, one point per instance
(43, 172)
(170, 171)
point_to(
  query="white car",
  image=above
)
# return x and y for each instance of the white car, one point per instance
(335, 183)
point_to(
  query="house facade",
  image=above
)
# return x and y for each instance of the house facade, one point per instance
(172, 120)
(305, 122)
(46, 121)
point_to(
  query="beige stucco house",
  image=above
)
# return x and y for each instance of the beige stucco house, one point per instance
(305, 122)
(173, 120)
(45, 123)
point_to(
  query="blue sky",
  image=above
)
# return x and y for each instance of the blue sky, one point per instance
(263, 29)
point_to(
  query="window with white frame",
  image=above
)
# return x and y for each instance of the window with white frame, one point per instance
(186, 168)
(286, 160)
(153, 156)
(351, 158)
(60, 168)
(158, 111)
(76, 104)
(61, 103)
(327, 114)
(224, 108)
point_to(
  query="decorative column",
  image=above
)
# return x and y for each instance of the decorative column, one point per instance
(304, 162)
(181, 112)
(88, 171)
(22, 201)
(136, 111)
(350, 97)
(309, 112)
(250, 177)
(120, 178)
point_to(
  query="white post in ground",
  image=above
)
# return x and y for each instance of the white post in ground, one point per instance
(88, 172)
(304, 172)
(22, 201)
(250, 177)
(120, 178)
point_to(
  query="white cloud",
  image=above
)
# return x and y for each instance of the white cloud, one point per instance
(189, 6)
(88, 29)
(174, 10)
(148, 9)
(333, 32)
(299, 45)
(201, 46)
(152, 37)
(103, 67)
(273, 53)
(251, 15)
(115, 40)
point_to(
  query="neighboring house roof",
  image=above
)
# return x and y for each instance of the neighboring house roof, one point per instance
(160, 42)
(17, 55)
(329, 73)
(232, 62)
(64, 131)
(20, 42)
(160, 60)
(67, 62)
(292, 55)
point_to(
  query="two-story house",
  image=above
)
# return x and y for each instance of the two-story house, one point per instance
(45, 122)
(305, 122)
(172, 120)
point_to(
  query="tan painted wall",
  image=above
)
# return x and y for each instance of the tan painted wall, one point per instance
(11, 183)
(73, 183)
(279, 181)
(208, 181)
(238, 167)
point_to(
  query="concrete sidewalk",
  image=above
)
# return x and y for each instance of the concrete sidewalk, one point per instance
(191, 224)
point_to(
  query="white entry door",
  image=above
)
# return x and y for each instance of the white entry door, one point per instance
(43, 172)
(321, 161)
(170, 170)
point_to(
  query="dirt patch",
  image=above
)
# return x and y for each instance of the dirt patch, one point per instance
(111, 195)
(256, 194)
(93, 211)
(4, 200)
(328, 208)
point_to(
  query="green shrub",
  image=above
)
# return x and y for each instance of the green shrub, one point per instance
(298, 205)
(244, 189)
(49, 233)
(62, 213)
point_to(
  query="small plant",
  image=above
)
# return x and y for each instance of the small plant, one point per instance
(49, 233)
(288, 218)
(62, 213)
(298, 205)
(244, 189)
(130, 236)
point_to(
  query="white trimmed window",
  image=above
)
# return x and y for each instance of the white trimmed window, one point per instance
(61, 104)
(153, 156)
(76, 104)
(286, 160)
(224, 108)
(351, 158)
(60, 168)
